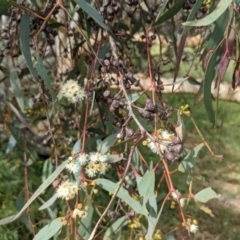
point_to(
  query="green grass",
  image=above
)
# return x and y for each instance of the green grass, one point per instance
(222, 175)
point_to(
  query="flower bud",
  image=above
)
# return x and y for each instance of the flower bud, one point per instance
(106, 94)
(129, 132)
(170, 156)
(178, 148)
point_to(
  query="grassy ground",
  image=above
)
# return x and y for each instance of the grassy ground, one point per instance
(222, 175)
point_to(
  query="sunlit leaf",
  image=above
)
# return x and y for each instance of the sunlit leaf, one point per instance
(206, 195)
(206, 210)
(8, 219)
(122, 193)
(49, 202)
(49, 230)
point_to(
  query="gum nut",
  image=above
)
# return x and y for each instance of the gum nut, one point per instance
(176, 140)
(170, 156)
(178, 148)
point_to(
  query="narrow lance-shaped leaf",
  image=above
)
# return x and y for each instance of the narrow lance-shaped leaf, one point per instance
(225, 59)
(19, 116)
(17, 90)
(42, 187)
(43, 74)
(146, 186)
(212, 17)
(123, 194)
(115, 227)
(207, 83)
(93, 13)
(170, 13)
(49, 230)
(183, 39)
(25, 43)
(84, 229)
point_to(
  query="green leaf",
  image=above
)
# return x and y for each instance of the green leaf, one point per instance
(49, 202)
(163, 6)
(4, 6)
(146, 186)
(108, 142)
(17, 90)
(51, 213)
(113, 158)
(206, 194)
(77, 146)
(180, 128)
(212, 17)
(152, 219)
(25, 43)
(43, 74)
(11, 144)
(7, 220)
(19, 116)
(122, 194)
(207, 83)
(93, 13)
(133, 97)
(183, 39)
(84, 229)
(170, 13)
(219, 29)
(49, 230)
(189, 161)
(103, 51)
(47, 169)
(115, 227)
(43, 186)
(135, 158)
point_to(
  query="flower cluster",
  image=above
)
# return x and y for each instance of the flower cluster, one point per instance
(79, 213)
(192, 225)
(73, 91)
(96, 163)
(164, 138)
(177, 196)
(67, 190)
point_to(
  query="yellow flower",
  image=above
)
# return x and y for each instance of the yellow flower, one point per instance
(185, 110)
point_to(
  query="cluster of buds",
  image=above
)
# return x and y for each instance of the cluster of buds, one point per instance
(109, 9)
(148, 111)
(188, 5)
(126, 132)
(174, 150)
(166, 113)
